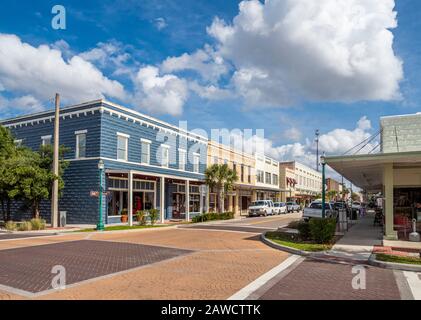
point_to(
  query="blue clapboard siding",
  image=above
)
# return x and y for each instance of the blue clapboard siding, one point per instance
(82, 175)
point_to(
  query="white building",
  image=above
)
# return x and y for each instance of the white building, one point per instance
(267, 178)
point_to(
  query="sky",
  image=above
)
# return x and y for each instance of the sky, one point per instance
(286, 66)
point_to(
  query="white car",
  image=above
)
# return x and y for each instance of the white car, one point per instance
(261, 208)
(315, 210)
(280, 207)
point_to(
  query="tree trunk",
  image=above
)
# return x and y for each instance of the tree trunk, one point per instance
(2, 210)
(221, 201)
(8, 216)
(36, 210)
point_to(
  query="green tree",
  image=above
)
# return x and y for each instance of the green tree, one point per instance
(221, 178)
(8, 150)
(331, 194)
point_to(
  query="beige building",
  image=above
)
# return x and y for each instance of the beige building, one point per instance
(287, 183)
(395, 172)
(244, 191)
(306, 183)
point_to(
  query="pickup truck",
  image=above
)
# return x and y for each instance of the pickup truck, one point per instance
(315, 211)
(293, 206)
(261, 208)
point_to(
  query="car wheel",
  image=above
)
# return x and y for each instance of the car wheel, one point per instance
(265, 214)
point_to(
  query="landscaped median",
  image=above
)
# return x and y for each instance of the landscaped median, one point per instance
(125, 227)
(303, 237)
(396, 258)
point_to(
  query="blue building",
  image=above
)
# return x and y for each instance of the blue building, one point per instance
(148, 163)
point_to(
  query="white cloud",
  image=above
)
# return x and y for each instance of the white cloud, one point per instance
(210, 92)
(41, 71)
(27, 104)
(159, 94)
(326, 50)
(292, 133)
(160, 23)
(210, 65)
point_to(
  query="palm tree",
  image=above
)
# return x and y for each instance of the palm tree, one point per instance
(221, 178)
(331, 194)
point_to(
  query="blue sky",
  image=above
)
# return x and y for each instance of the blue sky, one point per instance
(148, 32)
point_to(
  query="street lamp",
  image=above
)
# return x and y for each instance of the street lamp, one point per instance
(100, 225)
(323, 162)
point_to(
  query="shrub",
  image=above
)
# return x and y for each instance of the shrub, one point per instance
(37, 224)
(141, 217)
(153, 215)
(24, 226)
(10, 226)
(212, 216)
(322, 230)
(303, 228)
(293, 225)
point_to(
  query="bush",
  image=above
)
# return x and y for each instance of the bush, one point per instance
(10, 226)
(293, 224)
(141, 217)
(303, 228)
(37, 224)
(212, 216)
(322, 230)
(153, 216)
(25, 226)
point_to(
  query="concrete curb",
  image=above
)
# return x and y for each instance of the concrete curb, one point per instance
(285, 248)
(391, 265)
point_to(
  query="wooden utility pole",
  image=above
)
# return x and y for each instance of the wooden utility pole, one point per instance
(54, 198)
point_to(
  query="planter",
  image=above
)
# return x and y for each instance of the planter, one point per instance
(124, 218)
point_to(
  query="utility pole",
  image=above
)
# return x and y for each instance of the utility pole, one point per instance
(54, 198)
(317, 149)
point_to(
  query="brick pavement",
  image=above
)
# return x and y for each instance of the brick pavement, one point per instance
(326, 280)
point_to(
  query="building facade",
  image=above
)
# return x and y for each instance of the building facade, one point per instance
(267, 178)
(243, 193)
(148, 163)
(394, 172)
(307, 182)
(287, 183)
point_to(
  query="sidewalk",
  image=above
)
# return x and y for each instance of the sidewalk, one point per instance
(358, 242)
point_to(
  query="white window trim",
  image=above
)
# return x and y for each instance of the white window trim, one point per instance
(77, 143)
(123, 135)
(148, 143)
(81, 131)
(18, 141)
(43, 138)
(182, 152)
(196, 156)
(167, 163)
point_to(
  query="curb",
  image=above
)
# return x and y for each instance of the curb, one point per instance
(274, 245)
(392, 265)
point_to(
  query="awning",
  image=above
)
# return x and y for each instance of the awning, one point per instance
(366, 171)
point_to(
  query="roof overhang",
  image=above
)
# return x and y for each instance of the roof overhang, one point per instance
(366, 171)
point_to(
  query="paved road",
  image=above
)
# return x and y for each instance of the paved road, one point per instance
(246, 224)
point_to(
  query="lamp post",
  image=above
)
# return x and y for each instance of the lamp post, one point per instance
(100, 225)
(323, 162)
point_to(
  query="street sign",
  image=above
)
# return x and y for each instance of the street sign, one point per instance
(94, 194)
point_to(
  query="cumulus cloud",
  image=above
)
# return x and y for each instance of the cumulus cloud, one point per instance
(326, 50)
(209, 64)
(292, 133)
(160, 23)
(25, 103)
(41, 71)
(160, 94)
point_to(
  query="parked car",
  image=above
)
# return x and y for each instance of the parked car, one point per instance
(261, 208)
(339, 205)
(315, 210)
(293, 206)
(280, 207)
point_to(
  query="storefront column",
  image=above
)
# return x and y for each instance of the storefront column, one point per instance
(162, 199)
(388, 183)
(187, 200)
(130, 198)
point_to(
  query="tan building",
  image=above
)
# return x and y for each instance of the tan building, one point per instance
(307, 184)
(244, 191)
(267, 178)
(287, 183)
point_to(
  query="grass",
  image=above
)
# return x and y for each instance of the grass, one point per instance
(116, 228)
(284, 240)
(397, 259)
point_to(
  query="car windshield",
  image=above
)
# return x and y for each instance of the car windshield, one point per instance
(258, 203)
(276, 204)
(290, 203)
(356, 203)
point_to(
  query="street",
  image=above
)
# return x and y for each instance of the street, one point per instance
(217, 260)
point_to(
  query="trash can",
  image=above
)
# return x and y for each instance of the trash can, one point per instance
(354, 215)
(63, 218)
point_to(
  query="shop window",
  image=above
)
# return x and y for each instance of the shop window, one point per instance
(145, 151)
(122, 146)
(80, 145)
(46, 140)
